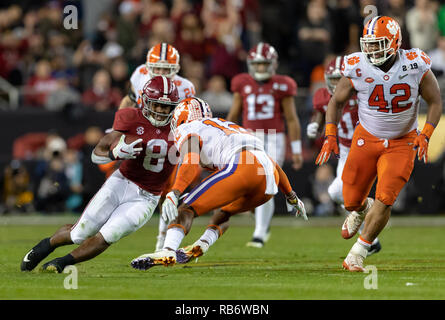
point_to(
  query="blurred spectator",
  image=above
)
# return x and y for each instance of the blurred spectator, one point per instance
(93, 177)
(397, 9)
(151, 10)
(421, 22)
(40, 85)
(119, 75)
(314, 37)
(73, 171)
(217, 95)
(52, 183)
(101, 96)
(88, 59)
(190, 38)
(323, 178)
(441, 19)
(16, 189)
(223, 30)
(347, 25)
(127, 31)
(438, 57)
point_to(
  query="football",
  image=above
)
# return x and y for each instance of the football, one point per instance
(128, 139)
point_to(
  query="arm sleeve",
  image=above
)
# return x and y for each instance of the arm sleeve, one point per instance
(188, 172)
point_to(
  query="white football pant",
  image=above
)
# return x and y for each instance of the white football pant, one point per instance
(119, 208)
(275, 146)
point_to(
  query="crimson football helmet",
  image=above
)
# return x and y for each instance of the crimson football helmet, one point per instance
(159, 90)
(188, 110)
(163, 56)
(262, 53)
(332, 73)
(381, 39)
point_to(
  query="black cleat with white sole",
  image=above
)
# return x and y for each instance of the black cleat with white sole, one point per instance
(376, 247)
(36, 254)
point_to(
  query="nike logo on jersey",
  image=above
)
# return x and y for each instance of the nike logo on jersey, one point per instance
(402, 76)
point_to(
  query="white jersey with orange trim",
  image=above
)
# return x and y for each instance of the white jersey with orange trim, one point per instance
(220, 140)
(140, 77)
(388, 101)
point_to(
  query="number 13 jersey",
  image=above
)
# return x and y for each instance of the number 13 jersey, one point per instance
(262, 100)
(388, 101)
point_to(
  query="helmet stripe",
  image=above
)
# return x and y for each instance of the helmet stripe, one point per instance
(259, 49)
(372, 25)
(165, 82)
(164, 47)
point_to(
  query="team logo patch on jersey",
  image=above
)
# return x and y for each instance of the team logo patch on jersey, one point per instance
(411, 55)
(360, 142)
(247, 89)
(353, 60)
(386, 77)
(140, 130)
(369, 80)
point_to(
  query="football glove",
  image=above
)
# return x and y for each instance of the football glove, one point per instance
(123, 151)
(295, 202)
(330, 145)
(170, 207)
(312, 130)
(421, 144)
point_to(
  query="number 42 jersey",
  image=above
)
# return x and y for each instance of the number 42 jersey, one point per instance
(262, 100)
(388, 101)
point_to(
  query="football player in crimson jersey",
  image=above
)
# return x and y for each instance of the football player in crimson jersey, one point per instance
(346, 126)
(162, 59)
(128, 198)
(265, 100)
(389, 82)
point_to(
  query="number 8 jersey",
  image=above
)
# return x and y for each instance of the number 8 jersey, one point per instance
(388, 101)
(152, 168)
(262, 100)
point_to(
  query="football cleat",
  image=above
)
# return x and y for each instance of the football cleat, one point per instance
(354, 220)
(354, 259)
(161, 258)
(375, 247)
(353, 263)
(255, 243)
(52, 266)
(195, 250)
(35, 255)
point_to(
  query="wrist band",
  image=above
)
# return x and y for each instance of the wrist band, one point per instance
(99, 159)
(428, 129)
(331, 129)
(296, 146)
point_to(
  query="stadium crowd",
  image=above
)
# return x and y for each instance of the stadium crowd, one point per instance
(55, 68)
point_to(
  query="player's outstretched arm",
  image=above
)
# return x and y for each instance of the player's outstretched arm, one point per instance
(342, 93)
(430, 92)
(188, 171)
(294, 130)
(235, 109)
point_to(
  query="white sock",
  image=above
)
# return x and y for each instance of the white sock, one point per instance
(210, 236)
(174, 238)
(263, 216)
(162, 228)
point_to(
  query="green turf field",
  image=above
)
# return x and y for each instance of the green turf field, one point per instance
(301, 261)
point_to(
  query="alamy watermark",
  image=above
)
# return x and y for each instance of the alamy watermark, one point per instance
(371, 281)
(70, 281)
(71, 20)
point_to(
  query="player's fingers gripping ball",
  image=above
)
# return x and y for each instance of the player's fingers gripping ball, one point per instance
(126, 148)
